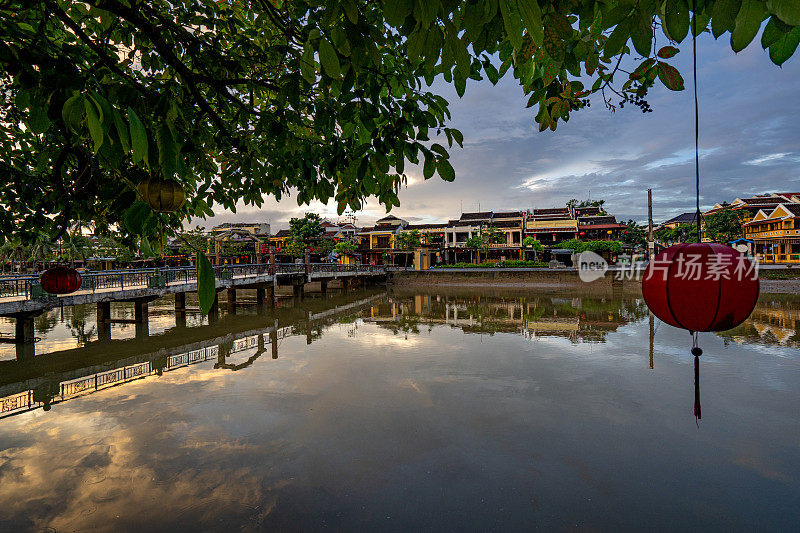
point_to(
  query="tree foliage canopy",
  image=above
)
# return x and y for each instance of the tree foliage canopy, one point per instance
(634, 234)
(408, 239)
(724, 225)
(240, 99)
(304, 233)
(679, 234)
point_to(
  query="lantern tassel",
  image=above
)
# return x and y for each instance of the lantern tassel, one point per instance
(697, 412)
(697, 352)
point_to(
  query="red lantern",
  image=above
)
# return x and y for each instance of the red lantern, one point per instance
(701, 287)
(61, 280)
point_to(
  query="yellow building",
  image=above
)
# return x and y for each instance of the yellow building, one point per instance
(749, 207)
(776, 233)
(374, 242)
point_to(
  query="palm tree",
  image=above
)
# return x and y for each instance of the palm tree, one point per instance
(41, 250)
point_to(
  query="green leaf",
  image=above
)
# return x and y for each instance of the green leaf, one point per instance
(748, 21)
(122, 130)
(550, 70)
(700, 22)
(329, 59)
(532, 17)
(491, 72)
(458, 136)
(73, 112)
(784, 47)
(723, 16)
(445, 170)
(206, 284)
(138, 137)
(617, 39)
(135, 217)
(23, 100)
(147, 250)
(642, 69)
(642, 33)
(512, 22)
(429, 167)
(439, 149)
(460, 82)
(667, 52)
(396, 11)
(351, 10)
(167, 151)
(786, 10)
(307, 64)
(38, 120)
(93, 121)
(676, 17)
(670, 77)
(770, 34)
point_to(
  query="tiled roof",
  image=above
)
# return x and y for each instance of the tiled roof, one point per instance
(760, 200)
(793, 208)
(507, 223)
(282, 233)
(382, 228)
(683, 218)
(478, 215)
(425, 226)
(601, 226)
(462, 223)
(607, 219)
(508, 214)
(587, 211)
(555, 211)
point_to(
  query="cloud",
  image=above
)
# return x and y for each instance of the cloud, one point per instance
(770, 159)
(749, 143)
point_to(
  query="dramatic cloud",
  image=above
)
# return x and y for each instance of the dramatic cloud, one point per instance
(749, 138)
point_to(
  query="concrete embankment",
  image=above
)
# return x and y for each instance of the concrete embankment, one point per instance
(550, 280)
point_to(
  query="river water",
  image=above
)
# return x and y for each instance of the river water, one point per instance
(407, 410)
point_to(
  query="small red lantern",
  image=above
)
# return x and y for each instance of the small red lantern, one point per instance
(701, 287)
(61, 280)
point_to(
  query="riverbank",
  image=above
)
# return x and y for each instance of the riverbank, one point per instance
(544, 279)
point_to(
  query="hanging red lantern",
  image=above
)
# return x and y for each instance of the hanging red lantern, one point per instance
(60, 280)
(701, 287)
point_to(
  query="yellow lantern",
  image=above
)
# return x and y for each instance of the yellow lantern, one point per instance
(163, 196)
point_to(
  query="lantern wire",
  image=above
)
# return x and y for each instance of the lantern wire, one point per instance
(696, 351)
(696, 125)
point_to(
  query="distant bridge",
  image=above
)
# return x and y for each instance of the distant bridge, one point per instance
(22, 298)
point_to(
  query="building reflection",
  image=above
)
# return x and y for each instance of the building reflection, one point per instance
(578, 319)
(233, 343)
(236, 342)
(773, 322)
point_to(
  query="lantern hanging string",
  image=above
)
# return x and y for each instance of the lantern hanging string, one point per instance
(696, 350)
(696, 126)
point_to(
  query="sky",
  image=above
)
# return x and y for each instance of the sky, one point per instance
(749, 144)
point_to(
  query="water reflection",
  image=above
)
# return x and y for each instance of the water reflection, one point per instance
(774, 321)
(580, 319)
(435, 410)
(58, 376)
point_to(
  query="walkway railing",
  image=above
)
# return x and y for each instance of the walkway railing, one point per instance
(27, 285)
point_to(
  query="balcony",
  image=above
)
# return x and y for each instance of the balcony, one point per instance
(773, 233)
